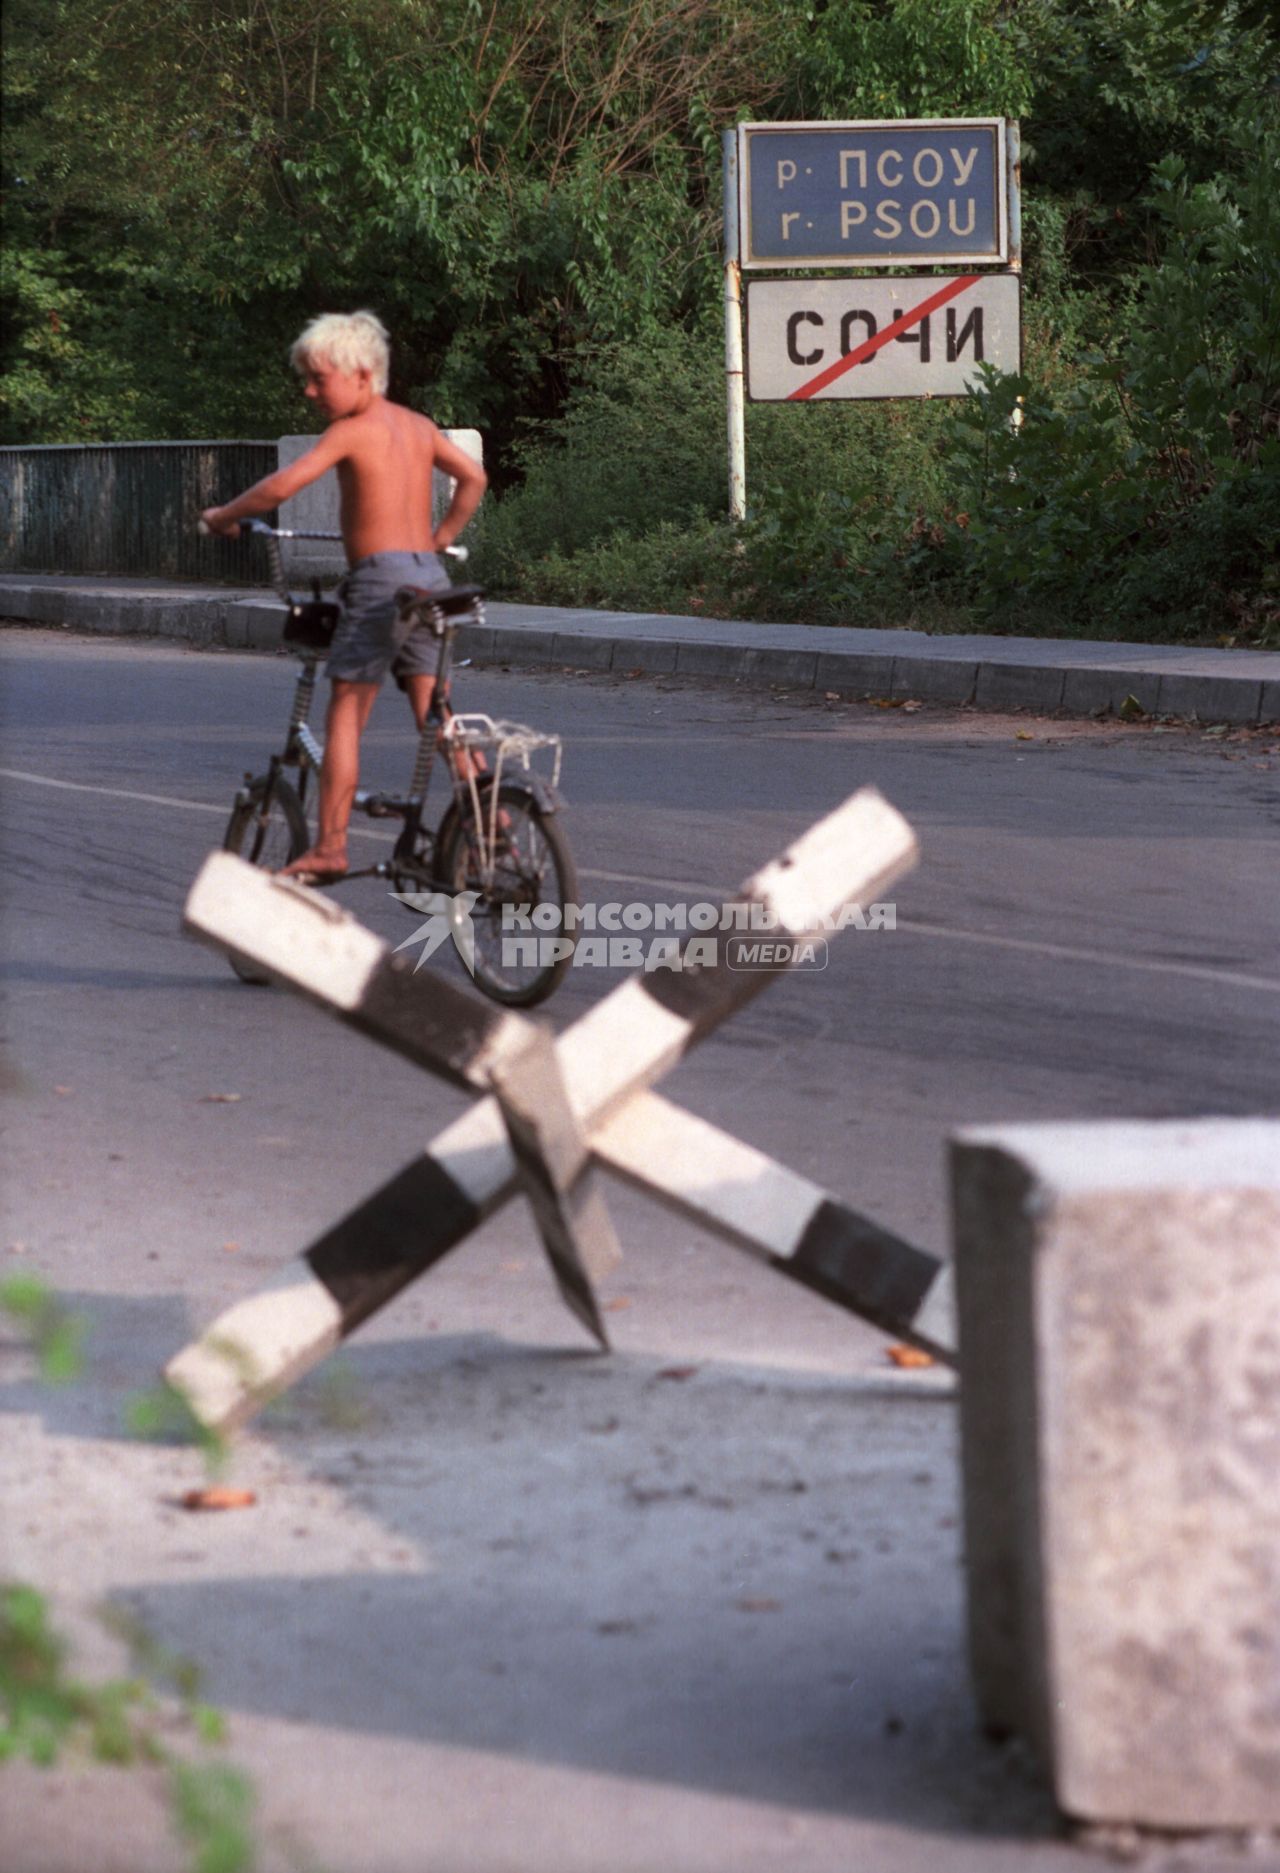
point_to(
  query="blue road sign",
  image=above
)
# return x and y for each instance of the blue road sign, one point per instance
(931, 191)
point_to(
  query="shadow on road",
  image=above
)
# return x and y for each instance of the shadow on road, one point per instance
(723, 1577)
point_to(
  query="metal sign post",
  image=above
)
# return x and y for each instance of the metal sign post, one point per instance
(733, 333)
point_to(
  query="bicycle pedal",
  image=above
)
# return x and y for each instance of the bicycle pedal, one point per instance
(382, 806)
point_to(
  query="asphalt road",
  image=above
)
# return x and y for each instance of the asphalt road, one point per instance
(556, 1610)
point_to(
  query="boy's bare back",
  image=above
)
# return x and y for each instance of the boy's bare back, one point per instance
(385, 463)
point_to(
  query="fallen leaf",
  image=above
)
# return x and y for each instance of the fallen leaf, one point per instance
(220, 1099)
(17, 1248)
(910, 708)
(62, 1091)
(218, 1496)
(230, 1248)
(1131, 710)
(616, 1305)
(831, 695)
(1024, 734)
(677, 1372)
(910, 1356)
(758, 1603)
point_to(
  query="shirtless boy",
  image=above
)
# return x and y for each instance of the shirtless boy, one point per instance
(384, 455)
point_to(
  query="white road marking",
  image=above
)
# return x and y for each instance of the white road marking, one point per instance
(111, 793)
(1107, 959)
(1203, 972)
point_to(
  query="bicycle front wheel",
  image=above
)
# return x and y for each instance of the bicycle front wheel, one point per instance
(514, 960)
(268, 829)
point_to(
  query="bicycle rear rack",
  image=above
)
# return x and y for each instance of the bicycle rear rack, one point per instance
(504, 745)
(503, 742)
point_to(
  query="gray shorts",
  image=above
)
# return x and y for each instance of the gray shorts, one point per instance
(369, 640)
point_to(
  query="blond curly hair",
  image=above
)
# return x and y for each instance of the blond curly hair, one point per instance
(349, 341)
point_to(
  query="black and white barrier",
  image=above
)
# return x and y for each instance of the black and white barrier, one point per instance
(554, 1160)
(606, 1063)
(310, 943)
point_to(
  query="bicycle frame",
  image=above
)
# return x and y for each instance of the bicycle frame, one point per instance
(473, 745)
(497, 848)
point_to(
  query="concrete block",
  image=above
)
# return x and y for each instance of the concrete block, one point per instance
(46, 604)
(199, 622)
(1269, 709)
(1211, 698)
(253, 624)
(33, 603)
(235, 626)
(315, 510)
(99, 611)
(1087, 690)
(149, 617)
(934, 679)
(747, 664)
(583, 653)
(1019, 686)
(312, 510)
(474, 641)
(856, 674)
(1118, 1288)
(695, 659)
(643, 653)
(796, 668)
(523, 647)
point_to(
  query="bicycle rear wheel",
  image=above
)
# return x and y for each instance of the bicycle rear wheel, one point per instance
(513, 961)
(267, 829)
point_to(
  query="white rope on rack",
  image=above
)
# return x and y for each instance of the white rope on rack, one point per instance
(505, 740)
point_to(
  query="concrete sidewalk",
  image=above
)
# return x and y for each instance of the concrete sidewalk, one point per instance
(1075, 676)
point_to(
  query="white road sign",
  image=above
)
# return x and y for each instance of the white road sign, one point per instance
(921, 336)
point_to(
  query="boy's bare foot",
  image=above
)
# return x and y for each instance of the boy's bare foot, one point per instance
(318, 866)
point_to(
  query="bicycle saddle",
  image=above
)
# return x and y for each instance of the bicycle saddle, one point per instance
(446, 599)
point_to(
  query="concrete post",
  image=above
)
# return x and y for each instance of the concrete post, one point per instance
(1118, 1288)
(315, 510)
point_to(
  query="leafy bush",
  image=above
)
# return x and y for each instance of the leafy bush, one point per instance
(1145, 497)
(47, 1713)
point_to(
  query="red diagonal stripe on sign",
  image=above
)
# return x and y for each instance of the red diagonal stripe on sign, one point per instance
(951, 290)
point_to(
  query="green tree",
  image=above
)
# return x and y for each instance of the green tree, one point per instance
(505, 183)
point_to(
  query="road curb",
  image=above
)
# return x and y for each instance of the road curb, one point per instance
(998, 674)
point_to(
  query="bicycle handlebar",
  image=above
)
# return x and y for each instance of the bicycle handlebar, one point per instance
(460, 553)
(271, 533)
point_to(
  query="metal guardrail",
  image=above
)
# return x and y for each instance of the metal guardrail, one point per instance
(127, 508)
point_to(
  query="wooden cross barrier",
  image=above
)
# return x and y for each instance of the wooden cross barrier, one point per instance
(551, 1107)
